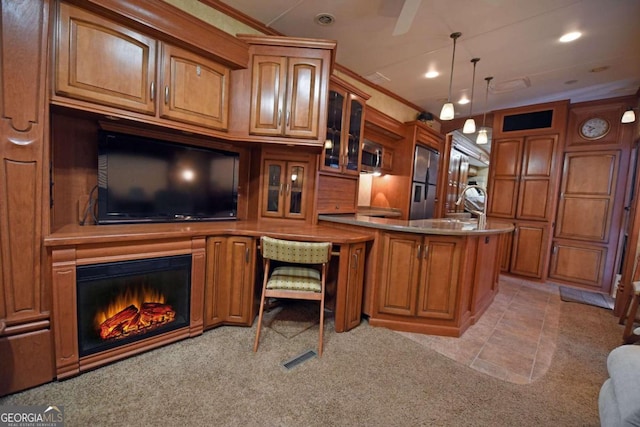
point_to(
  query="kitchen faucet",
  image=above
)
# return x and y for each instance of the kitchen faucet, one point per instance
(482, 215)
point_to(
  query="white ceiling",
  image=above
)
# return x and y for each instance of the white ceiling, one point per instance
(516, 41)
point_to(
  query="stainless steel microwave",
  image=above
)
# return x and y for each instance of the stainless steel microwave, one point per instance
(371, 156)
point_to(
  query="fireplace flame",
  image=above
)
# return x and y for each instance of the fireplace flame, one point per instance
(133, 295)
(138, 309)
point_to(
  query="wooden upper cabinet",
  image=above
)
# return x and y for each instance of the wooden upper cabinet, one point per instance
(285, 96)
(195, 89)
(103, 62)
(345, 125)
(285, 90)
(522, 177)
(100, 61)
(267, 94)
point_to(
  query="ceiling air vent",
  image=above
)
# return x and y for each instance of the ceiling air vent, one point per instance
(377, 78)
(511, 85)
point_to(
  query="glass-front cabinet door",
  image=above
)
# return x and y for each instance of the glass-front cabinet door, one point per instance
(345, 121)
(356, 122)
(333, 143)
(295, 198)
(273, 200)
(285, 192)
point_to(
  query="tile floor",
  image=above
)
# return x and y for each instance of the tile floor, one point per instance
(514, 340)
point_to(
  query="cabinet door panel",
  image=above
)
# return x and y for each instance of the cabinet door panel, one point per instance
(529, 249)
(195, 90)
(586, 202)
(100, 61)
(438, 284)
(272, 204)
(337, 194)
(296, 194)
(502, 202)
(506, 159)
(580, 264)
(534, 202)
(240, 256)
(214, 292)
(399, 272)
(538, 162)
(303, 89)
(538, 156)
(267, 94)
(485, 281)
(355, 277)
(506, 242)
(354, 139)
(332, 153)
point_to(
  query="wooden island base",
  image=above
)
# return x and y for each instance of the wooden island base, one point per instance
(434, 277)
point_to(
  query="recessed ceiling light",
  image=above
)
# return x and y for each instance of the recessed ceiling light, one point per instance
(570, 82)
(324, 19)
(432, 74)
(599, 69)
(569, 37)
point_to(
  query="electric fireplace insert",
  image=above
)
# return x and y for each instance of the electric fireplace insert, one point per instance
(123, 302)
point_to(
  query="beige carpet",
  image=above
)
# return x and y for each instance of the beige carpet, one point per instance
(291, 318)
(366, 377)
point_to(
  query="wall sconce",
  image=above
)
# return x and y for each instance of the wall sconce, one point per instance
(629, 116)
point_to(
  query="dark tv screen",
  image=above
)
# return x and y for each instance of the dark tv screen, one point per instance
(146, 180)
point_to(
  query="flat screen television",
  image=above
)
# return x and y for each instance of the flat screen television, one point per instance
(146, 180)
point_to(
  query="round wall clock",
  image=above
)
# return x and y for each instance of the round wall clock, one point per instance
(594, 128)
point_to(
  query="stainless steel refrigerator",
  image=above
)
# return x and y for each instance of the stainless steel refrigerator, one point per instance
(425, 179)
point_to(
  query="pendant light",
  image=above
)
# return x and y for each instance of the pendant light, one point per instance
(483, 138)
(447, 112)
(470, 124)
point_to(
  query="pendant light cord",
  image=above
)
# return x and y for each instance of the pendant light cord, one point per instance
(454, 36)
(473, 84)
(486, 101)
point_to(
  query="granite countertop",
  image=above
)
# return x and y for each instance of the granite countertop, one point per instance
(442, 226)
(379, 212)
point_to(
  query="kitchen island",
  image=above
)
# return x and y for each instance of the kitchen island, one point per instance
(432, 276)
